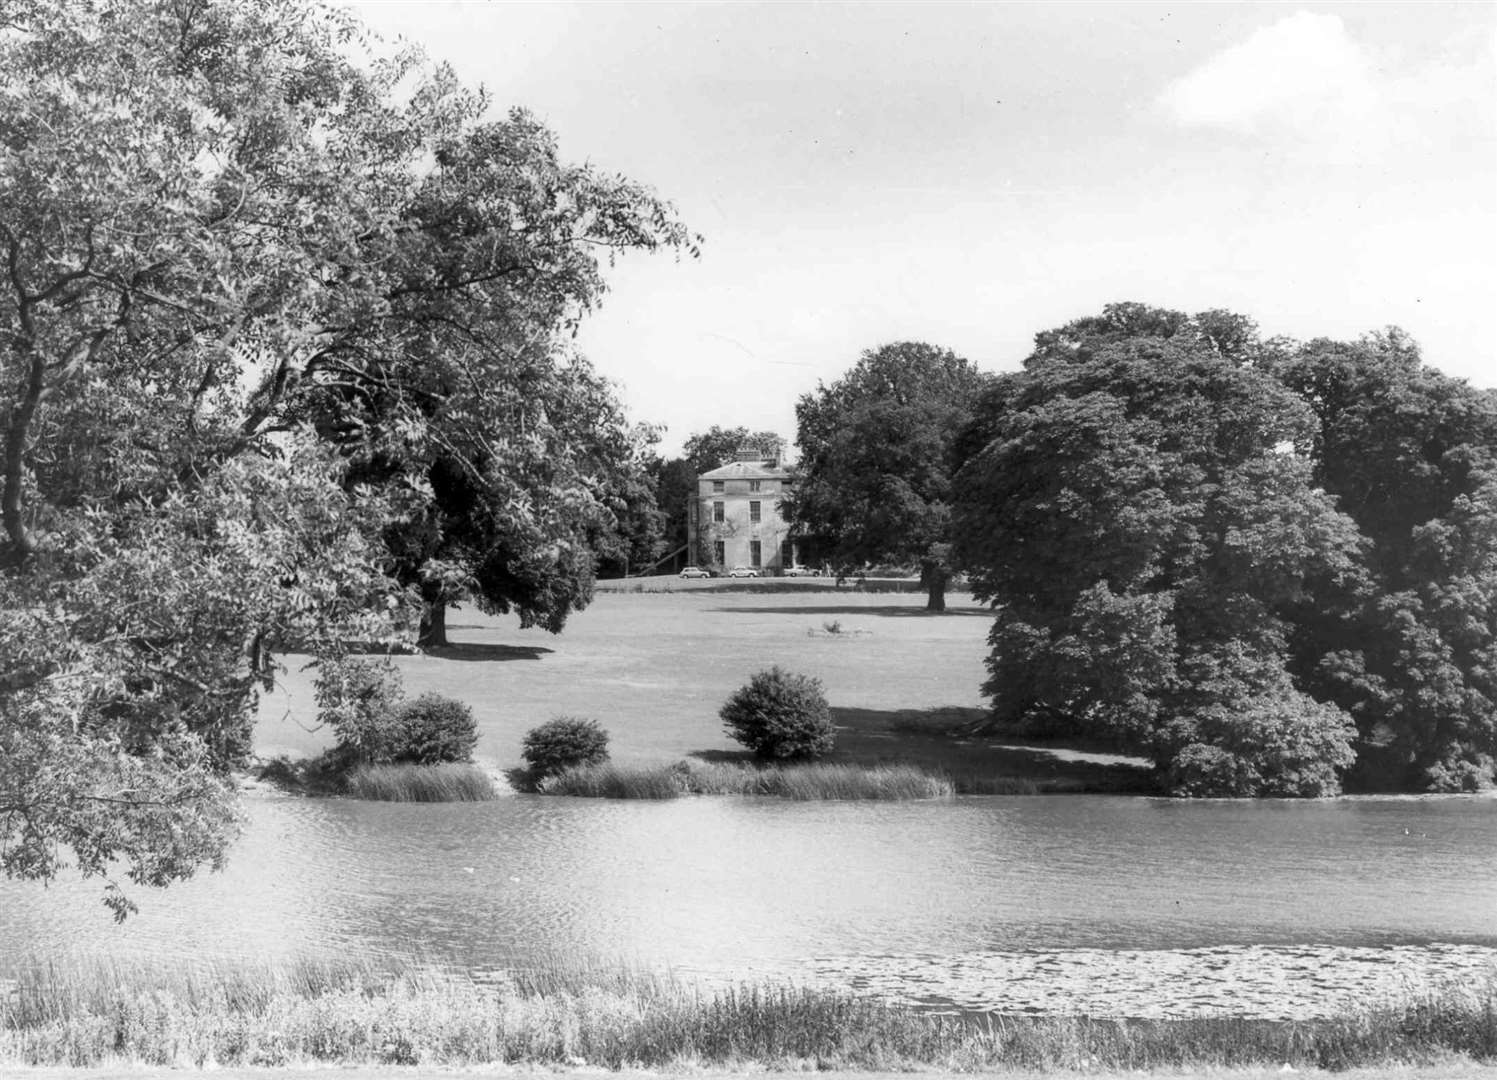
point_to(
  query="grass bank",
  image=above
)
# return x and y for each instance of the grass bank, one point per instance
(349, 1014)
(803, 782)
(385, 783)
(420, 783)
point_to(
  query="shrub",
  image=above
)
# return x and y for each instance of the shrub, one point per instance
(432, 730)
(357, 698)
(1283, 744)
(780, 715)
(564, 743)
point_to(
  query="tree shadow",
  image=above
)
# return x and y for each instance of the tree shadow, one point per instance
(724, 757)
(953, 740)
(891, 612)
(484, 652)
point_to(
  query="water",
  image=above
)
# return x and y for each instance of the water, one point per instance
(941, 901)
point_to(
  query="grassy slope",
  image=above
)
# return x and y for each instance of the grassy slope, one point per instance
(654, 668)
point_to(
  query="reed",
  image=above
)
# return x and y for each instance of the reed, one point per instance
(359, 1013)
(420, 783)
(798, 781)
(608, 780)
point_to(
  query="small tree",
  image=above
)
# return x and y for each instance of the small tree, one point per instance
(564, 743)
(780, 715)
(357, 698)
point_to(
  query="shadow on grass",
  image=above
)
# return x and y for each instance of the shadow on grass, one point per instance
(477, 651)
(904, 612)
(950, 740)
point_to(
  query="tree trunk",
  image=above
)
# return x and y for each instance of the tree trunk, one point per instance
(433, 631)
(935, 575)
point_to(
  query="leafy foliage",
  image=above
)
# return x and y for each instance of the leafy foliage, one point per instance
(780, 715)
(433, 730)
(357, 698)
(874, 482)
(1411, 456)
(1146, 533)
(564, 743)
(282, 353)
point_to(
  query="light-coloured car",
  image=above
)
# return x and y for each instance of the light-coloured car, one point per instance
(802, 571)
(743, 571)
(693, 572)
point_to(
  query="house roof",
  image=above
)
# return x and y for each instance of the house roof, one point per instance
(746, 470)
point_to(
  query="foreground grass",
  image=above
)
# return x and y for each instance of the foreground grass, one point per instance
(803, 782)
(348, 1013)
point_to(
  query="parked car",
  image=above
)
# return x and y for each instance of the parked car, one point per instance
(694, 572)
(802, 571)
(743, 571)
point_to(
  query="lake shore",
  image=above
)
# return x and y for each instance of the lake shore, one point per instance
(653, 660)
(337, 1013)
(1445, 1070)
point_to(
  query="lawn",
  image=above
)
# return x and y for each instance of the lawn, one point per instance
(654, 667)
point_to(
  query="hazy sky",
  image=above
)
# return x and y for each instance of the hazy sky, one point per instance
(969, 174)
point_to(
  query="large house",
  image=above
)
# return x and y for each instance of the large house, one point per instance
(735, 518)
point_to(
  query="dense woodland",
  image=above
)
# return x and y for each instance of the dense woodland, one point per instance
(1270, 565)
(286, 329)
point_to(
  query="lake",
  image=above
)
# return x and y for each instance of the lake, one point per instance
(1133, 906)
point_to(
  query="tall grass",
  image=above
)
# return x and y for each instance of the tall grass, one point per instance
(354, 1014)
(803, 782)
(420, 783)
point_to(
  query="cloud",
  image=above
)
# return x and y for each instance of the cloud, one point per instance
(1305, 77)
(1304, 70)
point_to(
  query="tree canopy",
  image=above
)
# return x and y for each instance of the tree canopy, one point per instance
(1203, 545)
(284, 327)
(1411, 456)
(874, 477)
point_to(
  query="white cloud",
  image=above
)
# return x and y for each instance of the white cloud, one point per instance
(1304, 72)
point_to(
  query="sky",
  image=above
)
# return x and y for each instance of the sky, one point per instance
(971, 174)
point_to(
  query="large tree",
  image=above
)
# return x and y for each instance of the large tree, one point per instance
(1143, 517)
(1411, 456)
(874, 477)
(270, 307)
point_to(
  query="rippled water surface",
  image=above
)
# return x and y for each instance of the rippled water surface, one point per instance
(856, 892)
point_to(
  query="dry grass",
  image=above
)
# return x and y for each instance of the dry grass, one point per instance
(420, 783)
(351, 1013)
(803, 782)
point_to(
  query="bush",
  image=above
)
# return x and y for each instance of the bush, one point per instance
(1282, 745)
(432, 730)
(564, 743)
(357, 699)
(780, 715)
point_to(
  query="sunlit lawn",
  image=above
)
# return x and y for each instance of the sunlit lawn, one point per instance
(654, 668)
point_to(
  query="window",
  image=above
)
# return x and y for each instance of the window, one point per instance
(753, 485)
(719, 555)
(754, 553)
(754, 510)
(717, 512)
(717, 487)
(787, 554)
